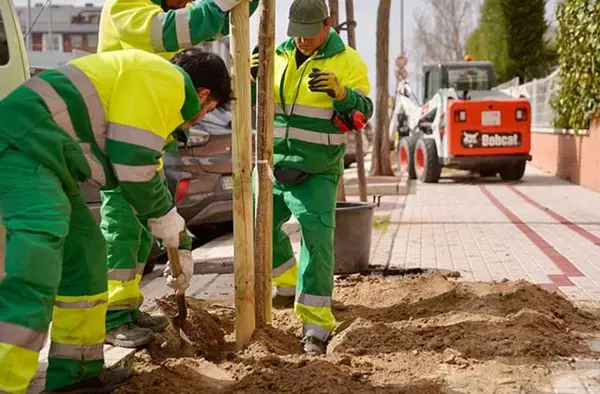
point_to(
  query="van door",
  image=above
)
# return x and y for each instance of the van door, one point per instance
(14, 69)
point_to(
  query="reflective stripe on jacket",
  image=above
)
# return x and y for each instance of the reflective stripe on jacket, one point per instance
(305, 136)
(116, 110)
(143, 24)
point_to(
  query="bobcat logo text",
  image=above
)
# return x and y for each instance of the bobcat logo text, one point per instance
(476, 139)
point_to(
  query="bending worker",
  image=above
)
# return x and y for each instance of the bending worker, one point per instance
(319, 83)
(162, 27)
(103, 118)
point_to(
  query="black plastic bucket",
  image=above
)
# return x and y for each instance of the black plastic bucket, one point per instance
(353, 231)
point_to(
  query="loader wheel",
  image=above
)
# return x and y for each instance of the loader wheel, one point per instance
(514, 171)
(427, 164)
(406, 156)
(489, 173)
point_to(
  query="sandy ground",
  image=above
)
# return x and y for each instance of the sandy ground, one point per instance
(419, 335)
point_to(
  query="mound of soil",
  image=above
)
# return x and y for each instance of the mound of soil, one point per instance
(433, 295)
(270, 340)
(202, 329)
(395, 335)
(319, 376)
(528, 334)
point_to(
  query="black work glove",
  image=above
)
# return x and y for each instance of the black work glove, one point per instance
(326, 82)
(254, 60)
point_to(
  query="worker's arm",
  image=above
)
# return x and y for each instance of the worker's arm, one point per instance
(145, 108)
(225, 29)
(143, 25)
(355, 79)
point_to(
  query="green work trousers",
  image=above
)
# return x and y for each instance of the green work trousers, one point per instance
(54, 270)
(128, 243)
(312, 202)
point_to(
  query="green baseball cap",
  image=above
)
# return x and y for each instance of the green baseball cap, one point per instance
(306, 18)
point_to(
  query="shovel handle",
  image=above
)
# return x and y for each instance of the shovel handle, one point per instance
(174, 263)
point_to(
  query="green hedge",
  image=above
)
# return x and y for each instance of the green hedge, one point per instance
(511, 35)
(578, 99)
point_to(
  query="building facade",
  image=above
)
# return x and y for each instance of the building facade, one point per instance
(64, 31)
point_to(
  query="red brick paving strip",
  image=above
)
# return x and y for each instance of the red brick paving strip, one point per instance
(561, 261)
(578, 229)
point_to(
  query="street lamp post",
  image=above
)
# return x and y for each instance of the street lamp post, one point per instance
(402, 27)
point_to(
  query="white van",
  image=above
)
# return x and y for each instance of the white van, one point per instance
(14, 69)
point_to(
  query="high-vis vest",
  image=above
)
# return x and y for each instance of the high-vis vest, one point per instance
(306, 138)
(143, 24)
(114, 111)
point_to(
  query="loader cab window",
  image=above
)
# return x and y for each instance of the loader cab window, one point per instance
(433, 83)
(4, 55)
(469, 78)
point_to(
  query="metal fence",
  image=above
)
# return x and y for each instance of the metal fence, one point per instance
(508, 84)
(539, 92)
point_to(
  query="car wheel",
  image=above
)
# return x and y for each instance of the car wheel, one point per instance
(427, 164)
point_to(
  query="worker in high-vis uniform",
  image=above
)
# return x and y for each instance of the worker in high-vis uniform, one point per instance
(102, 118)
(321, 88)
(163, 27)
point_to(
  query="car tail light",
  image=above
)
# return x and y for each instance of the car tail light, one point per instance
(460, 115)
(182, 188)
(521, 114)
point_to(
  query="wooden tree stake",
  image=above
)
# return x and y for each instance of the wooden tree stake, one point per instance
(242, 176)
(263, 257)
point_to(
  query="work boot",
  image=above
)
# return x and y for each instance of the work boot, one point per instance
(283, 297)
(314, 346)
(108, 381)
(130, 336)
(157, 322)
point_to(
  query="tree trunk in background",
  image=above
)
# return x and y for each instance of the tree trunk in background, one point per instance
(334, 13)
(381, 164)
(360, 159)
(335, 21)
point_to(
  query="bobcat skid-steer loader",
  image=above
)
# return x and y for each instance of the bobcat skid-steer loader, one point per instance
(465, 124)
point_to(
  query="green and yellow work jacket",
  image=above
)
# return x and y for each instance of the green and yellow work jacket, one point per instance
(143, 24)
(114, 112)
(306, 138)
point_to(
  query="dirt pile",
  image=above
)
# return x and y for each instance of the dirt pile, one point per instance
(426, 334)
(203, 329)
(319, 376)
(526, 334)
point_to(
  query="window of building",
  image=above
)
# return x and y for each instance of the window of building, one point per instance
(4, 55)
(55, 46)
(76, 41)
(92, 40)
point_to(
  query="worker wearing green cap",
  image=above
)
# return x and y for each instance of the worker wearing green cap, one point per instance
(319, 81)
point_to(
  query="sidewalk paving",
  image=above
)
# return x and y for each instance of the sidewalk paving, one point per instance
(543, 229)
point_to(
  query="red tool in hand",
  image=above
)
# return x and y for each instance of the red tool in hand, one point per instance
(356, 120)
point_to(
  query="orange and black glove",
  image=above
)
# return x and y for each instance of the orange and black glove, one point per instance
(326, 82)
